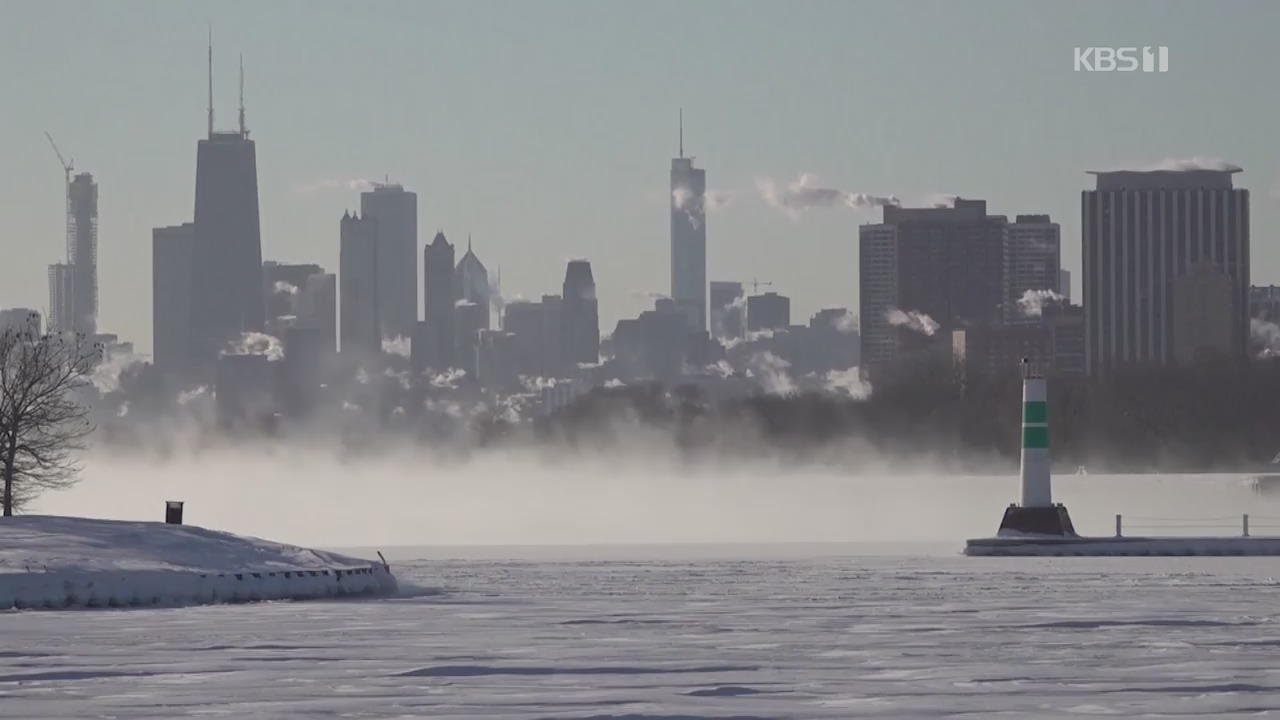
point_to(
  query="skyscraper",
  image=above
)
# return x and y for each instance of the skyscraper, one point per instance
(689, 237)
(396, 212)
(73, 285)
(226, 281)
(82, 252)
(438, 301)
(471, 284)
(580, 316)
(171, 254)
(358, 281)
(923, 269)
(1032, 262)
(1166, 260)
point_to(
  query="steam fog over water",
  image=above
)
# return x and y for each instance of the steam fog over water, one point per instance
(313, 495)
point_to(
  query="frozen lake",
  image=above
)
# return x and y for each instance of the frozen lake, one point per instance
(665, 632)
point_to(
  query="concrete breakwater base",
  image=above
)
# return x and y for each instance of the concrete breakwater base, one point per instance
(1076, 546)
(66, 562)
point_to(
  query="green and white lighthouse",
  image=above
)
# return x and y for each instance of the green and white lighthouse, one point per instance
(1036, 515)
(1036, 486)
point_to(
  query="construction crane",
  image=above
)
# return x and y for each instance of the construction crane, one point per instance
(756, 283)
(67, 166)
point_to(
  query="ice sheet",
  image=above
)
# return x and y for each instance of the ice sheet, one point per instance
(647, 638)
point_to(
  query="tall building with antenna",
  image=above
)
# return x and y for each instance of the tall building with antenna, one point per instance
(226, 281)
(73, 285)
(689, 237)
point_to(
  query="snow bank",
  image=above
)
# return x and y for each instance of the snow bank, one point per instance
(59, 562)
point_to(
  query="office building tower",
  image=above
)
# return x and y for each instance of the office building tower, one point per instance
(82, 252)
(769, 311)
(358, 281)
(438, 300)
(1032, 263)
(728, 310)
(1166, 265)
(317, 309)
(922, 270)
(396, 212)
(580, 316)
(469, 320)
(282, 286)
(522, 320)
(471, 284)
(1064, 285)
(554, 360)
(226, 281)
(172, 251)
(689, 237)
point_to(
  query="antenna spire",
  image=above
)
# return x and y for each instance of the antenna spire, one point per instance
(244, 131)
(210, 80)
(681, 132)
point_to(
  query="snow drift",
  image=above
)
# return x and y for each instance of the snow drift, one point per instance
(63, 562)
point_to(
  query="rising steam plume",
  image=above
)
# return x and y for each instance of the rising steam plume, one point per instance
(806, 193)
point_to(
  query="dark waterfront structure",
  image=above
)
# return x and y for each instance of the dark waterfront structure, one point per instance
(396, 212)
(580, 316)
(1166, 267)
(689, 237)
(172, 250)
(226, 280)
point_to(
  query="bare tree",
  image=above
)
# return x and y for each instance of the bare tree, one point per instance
(42, 424)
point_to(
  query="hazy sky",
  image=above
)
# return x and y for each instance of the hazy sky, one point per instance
(545, 129)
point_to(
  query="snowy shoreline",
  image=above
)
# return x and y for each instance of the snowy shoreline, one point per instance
(49, 562)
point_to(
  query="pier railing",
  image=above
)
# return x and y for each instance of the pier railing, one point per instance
(1222, 525)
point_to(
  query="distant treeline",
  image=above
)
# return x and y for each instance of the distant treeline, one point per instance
(1222, 417)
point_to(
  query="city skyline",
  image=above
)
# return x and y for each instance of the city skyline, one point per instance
(509, 189)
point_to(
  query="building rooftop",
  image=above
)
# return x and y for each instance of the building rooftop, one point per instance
(1205, 178)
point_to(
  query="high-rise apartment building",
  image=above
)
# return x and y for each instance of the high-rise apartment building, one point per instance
(171, 257)
(580, 316)
(926, 269)
(1166, 267)
(689, 237)
(358, 282)
(396, 212)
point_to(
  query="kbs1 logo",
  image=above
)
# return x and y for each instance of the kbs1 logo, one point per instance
(1122, 59)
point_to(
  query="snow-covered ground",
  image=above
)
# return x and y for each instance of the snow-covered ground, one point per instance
(812, 631)
(69, 562)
